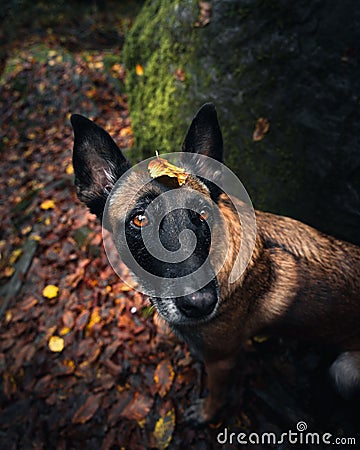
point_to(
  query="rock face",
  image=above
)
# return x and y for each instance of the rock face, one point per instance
(296, 64)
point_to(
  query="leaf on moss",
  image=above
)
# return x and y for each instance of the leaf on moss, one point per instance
(164, 429)
(261, 128)
(159, 167)
(139, 70)
(163, 377)
(204, 14)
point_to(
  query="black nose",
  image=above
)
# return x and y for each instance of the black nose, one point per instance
(198, 304)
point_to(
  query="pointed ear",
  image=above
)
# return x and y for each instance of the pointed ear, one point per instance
(204, 135)
(98, 163)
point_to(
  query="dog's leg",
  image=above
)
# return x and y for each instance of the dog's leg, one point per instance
(345, 371)
(223, 385)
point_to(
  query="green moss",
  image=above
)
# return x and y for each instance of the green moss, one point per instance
(163, 40)
(157, 96)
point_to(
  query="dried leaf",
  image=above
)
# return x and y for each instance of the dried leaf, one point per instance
(9, 271)
(114, 414)
(179, 74)
(69, 169)
(159, 167)
(64, 330)
(163, 377)
(68, 319)
(50, 291)
(260, 339)
(261, 128)
(82, 320)
(56, 344)
(28, 303)
(164, 430)
(88, 409)
(139, 70)
(138, 408)
(15, 255)
(204, 15)
(94, 318)
(47, 204)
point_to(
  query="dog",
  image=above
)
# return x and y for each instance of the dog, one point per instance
(298, 282)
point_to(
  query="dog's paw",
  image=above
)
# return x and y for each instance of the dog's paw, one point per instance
(196, 414)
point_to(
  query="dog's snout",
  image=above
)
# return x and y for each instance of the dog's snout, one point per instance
(198, 304)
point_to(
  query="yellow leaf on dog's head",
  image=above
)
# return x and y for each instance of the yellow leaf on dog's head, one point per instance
(160, 167)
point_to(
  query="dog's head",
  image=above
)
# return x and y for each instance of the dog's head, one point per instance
(162, 228)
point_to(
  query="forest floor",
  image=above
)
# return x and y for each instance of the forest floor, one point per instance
(82, 362)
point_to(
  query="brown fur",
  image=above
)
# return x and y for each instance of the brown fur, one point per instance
(298, 283)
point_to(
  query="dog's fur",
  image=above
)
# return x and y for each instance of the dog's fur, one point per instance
(299, 281)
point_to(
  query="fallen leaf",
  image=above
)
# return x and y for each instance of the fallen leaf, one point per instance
(204, 14)
(139, 70)
(94, 318)
(261, 128)
(47, 204)
(163, 377)
(68, 319)
(28, 303)
(69, 169)
(159, 167)
(50, 291)
(15, 255)
(88, 409)
(64, 330)
(9, 271)
(138, 408)
(260, 339)
(179, 74)
(56, 344)
(164, 429)
(82, 320)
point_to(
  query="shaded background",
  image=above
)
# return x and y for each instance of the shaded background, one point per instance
(121, 380)
(296, 65)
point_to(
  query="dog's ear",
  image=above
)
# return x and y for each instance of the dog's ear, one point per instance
(98, 163)
(204, 135)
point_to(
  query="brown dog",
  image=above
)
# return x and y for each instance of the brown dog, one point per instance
(298, 282)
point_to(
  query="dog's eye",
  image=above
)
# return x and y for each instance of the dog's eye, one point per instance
(204, 214)
(140, 220)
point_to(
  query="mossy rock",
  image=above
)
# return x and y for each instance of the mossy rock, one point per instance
(294, 64)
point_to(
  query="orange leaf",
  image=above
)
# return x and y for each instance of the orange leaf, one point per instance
(69, 169)
(161, 167)
(139, 70)
(94, 318)
(47, 204)
(261, 128)
(163, 377)
(138, 408)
